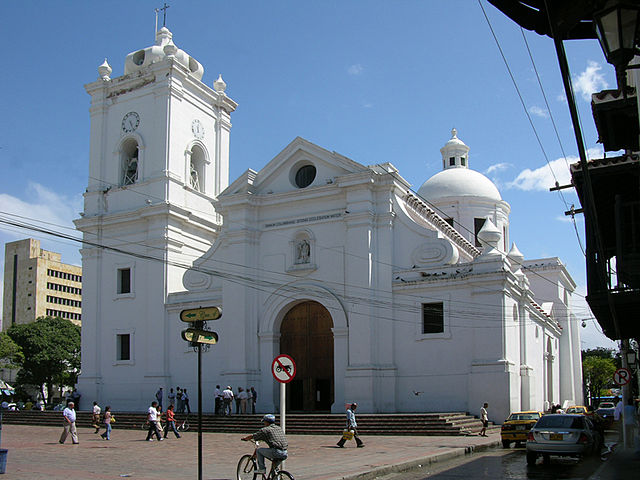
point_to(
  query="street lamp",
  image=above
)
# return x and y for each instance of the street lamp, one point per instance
(617, 30)
(631, 358)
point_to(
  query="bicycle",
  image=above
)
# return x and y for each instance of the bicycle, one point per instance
(184, 426)
(248, 465)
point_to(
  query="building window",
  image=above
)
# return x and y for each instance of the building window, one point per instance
(463, 161)
(478, 223)
(452, 161)
(124, 347)
(432, 318)
(196, 175)
(124, 280)
(305, 176)
(129, 159)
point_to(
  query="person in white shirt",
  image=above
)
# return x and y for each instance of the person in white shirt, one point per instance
(152, 418)
(227, 397)
(96, 416)
(617, 413)
(484, 418)
(242, 395)
(69, 415)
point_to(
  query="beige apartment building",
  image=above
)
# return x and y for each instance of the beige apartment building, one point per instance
(37, 284)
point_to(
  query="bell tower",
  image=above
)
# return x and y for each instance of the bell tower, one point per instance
(159, 157)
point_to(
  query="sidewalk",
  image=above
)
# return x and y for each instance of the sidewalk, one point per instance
(35, 454)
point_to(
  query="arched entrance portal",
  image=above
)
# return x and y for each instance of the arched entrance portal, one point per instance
(305, 335)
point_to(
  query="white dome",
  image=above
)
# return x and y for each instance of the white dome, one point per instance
(458, 182)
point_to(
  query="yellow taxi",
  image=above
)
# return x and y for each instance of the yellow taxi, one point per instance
(517, 426)
(580, 410)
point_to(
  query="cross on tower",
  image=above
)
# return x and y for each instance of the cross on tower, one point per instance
(164, 15)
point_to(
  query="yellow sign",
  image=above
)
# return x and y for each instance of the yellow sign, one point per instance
(200, 336)
(201, 314)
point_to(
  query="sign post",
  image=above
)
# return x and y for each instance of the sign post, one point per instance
(200, 338)
(283, 369)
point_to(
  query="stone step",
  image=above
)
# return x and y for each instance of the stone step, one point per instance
(447, 423)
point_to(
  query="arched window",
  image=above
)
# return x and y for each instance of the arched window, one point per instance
(129, 171)
(196, 171)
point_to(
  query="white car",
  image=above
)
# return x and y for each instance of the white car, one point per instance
(562, 435)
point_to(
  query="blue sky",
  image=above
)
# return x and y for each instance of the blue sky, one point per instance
(374, 80)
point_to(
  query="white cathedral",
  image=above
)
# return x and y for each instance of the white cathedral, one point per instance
(401, 302)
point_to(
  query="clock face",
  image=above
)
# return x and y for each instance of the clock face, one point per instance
(130, 122)
(197, 129)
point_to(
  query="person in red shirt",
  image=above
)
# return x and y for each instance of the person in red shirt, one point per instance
(171, 423)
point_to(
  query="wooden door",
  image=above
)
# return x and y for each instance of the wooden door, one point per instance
(306, 336)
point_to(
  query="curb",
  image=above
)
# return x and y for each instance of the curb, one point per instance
(421, 462)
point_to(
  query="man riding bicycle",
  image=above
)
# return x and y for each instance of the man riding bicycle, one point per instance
(275, 438)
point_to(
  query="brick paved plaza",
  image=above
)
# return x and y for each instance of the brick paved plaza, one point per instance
(35, 454)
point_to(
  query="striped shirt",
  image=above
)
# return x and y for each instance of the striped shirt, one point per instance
(273, 435)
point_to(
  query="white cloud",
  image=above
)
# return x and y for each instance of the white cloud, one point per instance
(542, 178)
(538, 111)
(43, 204)
(355, 69)
(590, 81)
(498, 167)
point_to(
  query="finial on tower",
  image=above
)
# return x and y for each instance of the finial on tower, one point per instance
(219, 85)
(105, 70)
(454, 133)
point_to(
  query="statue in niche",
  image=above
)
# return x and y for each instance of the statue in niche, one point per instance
(303, 252)
(194, 180)
(131, 169)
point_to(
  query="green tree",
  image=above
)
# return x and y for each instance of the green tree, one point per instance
(597, 373)
(10, 353)
(51, 348)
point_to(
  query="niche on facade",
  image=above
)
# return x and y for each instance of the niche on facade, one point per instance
(130, 162)
(196, 160)
(302, 252)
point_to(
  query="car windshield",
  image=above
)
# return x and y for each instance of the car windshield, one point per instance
(560, 421)
(607, 405)
(524, 416)
(576, 410)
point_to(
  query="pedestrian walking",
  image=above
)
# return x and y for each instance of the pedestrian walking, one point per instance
(171, 423)
(352, 427)
(69, 415)
(630, 423)
(95, 418)
(108, 418)
(152, 418)
(484, 418)
(159, 396)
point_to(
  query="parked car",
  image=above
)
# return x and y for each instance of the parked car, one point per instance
(567, 435)
(580, 410)
(517, 426)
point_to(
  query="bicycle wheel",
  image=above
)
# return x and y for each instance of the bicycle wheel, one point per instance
(283, 475)
(145, 426)
(246, 467)
(183, 427)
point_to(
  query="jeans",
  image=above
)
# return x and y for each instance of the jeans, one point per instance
(171, 425)
(270, 453)
(107, 433)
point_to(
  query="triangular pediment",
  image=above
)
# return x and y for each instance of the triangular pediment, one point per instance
(279, 175)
